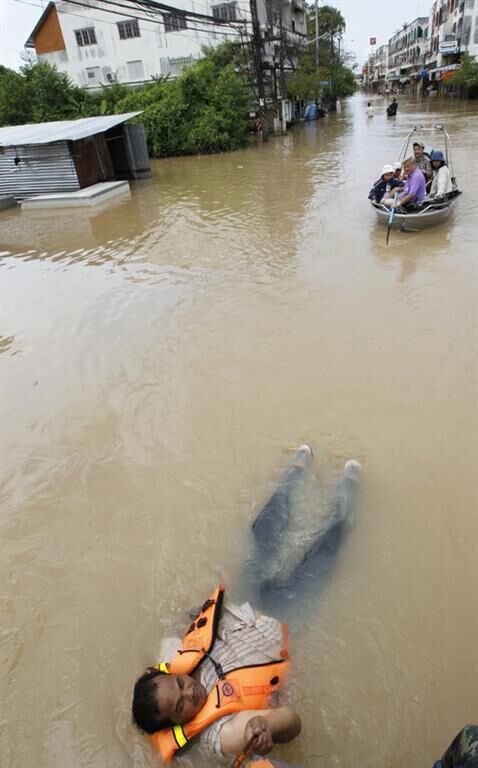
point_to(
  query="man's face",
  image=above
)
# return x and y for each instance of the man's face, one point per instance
(436, 164)
(417, 151)
(409, 168)
(388, 176)
(179, 698)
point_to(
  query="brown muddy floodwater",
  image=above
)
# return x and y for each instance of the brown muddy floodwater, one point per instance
(162, 357)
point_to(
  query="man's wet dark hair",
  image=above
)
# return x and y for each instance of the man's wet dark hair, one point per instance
(146, 714)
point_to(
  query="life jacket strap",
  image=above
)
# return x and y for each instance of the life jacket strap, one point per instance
(179, 736)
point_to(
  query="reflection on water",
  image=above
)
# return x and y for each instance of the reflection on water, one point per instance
(241, 304)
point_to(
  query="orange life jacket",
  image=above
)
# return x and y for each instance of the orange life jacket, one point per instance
(240, 689)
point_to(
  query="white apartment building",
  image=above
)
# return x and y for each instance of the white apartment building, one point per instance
(98, 43)
(407, 50)
(454, 31)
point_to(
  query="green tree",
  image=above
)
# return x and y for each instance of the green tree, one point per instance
(203, 110)
(331, 26)
(307, 81)
(467, 75)
(39, 93)
(327, 83)
(14, 105)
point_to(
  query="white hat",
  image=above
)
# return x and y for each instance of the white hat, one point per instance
(397, 166)
(419, 144)
(387, 169)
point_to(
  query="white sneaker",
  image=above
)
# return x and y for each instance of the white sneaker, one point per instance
(303, 456)
(353, 470)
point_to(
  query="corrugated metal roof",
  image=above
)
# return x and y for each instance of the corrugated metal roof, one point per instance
(60, 130)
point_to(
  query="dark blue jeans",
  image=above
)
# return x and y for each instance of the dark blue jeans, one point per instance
(281, 595)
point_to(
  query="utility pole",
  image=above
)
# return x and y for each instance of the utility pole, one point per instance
(281, 71)
(316, 34)
(257, 56)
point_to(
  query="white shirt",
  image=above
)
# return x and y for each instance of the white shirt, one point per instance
(242, 639)
(441, 183)
(370, 111)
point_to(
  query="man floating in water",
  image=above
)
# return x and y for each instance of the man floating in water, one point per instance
(225, 684)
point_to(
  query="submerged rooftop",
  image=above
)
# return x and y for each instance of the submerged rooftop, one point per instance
(60, 130)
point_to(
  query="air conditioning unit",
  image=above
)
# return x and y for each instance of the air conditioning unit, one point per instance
(111, 77)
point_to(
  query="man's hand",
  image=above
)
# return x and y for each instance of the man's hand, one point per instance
(259, 727)
(273, 726)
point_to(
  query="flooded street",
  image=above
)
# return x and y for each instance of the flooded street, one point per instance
(162, 357)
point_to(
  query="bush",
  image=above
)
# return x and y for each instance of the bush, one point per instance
(203, 110)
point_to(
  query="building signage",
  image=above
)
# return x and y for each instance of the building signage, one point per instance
(449, 46)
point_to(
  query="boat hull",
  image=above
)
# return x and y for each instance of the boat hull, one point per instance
(427, 217)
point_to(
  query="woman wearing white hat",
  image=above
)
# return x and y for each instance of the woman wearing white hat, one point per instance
(382, 187)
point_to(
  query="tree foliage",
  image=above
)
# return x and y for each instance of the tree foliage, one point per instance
(467, 75)
(37, 94)
(327, 83)
(332, 79)
(331, 29)
(203, 110)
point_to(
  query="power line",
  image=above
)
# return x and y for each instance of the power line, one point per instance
(160, 22)
(154, 7)
(142, 18)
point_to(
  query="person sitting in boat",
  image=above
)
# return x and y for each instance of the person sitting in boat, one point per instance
(414, 190)
(397, 167)
(422, 159)
(442, 184)
(224, 683)
(386, 182)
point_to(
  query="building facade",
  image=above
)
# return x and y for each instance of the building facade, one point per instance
(426, 53)
(454, 31)
(98, 44)
(377, 69)
(407, 50)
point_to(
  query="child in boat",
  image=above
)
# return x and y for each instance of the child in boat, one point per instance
(382, 187)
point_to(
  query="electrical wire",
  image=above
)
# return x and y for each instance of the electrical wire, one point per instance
(161, 22)
(142, 18)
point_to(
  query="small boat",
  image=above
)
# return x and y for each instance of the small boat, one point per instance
(430, 212)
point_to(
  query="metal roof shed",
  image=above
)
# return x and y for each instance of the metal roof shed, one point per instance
(67, 155)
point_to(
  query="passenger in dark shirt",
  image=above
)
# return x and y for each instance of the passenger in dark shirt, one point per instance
(386, 182)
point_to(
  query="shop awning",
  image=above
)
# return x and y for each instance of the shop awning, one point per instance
(449, 68)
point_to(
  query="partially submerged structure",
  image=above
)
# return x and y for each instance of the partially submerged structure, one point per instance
(69, 155)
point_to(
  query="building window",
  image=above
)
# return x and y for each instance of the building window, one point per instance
(226, 11)
(128, 29)
(135, 70)
(85, 36)
(93, 74)
(174, 22)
